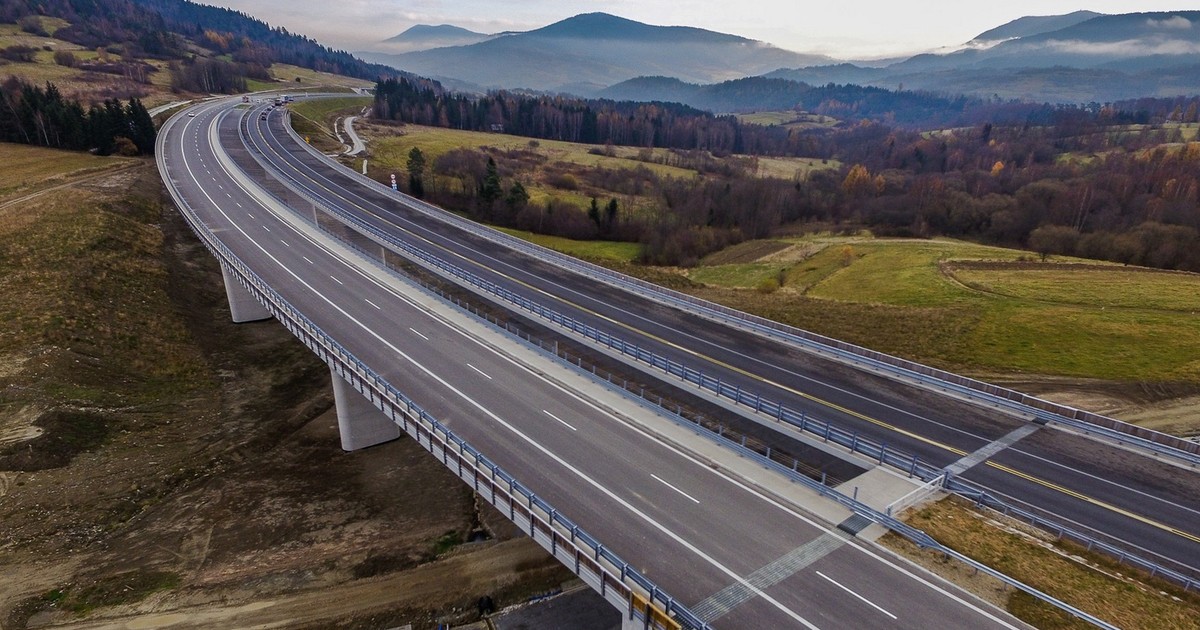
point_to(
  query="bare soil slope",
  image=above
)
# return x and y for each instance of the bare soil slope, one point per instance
(157, 461)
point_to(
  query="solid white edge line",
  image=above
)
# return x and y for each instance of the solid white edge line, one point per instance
(864, 599)
(932, 581)
(660, 480)
(547, 452)
(938, 587)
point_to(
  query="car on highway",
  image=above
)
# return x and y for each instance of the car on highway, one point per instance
(191, 114)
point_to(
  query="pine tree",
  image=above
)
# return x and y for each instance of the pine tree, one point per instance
(490, 191)
(416, 173)
(141, 126)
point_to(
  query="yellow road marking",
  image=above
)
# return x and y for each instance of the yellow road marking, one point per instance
(816, 399)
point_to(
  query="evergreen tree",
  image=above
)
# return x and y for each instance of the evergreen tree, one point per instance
(517, 197)
(416, 173)
(610, 216)
(490, 191)
(141, 126)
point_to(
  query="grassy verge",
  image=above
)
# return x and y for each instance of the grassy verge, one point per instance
(595, 251)
(314, 119)
(1090, 582)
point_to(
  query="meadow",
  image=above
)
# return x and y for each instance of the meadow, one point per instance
(976, 308)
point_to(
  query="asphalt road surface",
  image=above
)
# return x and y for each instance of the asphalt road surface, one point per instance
(718, 546)
(1152, 507)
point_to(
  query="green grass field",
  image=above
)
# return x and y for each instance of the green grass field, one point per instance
(924, 300)
(790, 119)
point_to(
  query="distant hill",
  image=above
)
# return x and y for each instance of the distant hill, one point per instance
(915, 109)
(1033, 25)
(426, 37)
(1098, 58)
(588, 52)
(738, 95)
(1160, 40)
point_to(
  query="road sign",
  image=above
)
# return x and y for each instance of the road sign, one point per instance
(394, 187)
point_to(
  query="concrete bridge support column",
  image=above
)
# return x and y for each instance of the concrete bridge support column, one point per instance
(360, 423)
(242, 306)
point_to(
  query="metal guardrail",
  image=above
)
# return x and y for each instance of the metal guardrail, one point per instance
(827, 431)
(613, 578)
(933, 378)
(917, 536)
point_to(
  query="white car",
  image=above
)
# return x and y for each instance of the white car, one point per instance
(192, 115)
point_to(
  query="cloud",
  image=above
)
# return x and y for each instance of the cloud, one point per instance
(1177, 22)
(1126, 48)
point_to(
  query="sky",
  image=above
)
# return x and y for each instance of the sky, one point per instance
(859, 29)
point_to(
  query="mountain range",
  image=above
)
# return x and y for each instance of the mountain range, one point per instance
(1078, 57)
(589, 52)
(425, 37)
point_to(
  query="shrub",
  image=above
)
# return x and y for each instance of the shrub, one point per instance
(18, 53)
(66, 59)
(564, 181)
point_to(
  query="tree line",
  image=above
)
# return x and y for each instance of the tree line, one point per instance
(1118, 181)
(42, 116)
(561, 118)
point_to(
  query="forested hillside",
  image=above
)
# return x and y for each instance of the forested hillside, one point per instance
(1118, 182)
(161, 29)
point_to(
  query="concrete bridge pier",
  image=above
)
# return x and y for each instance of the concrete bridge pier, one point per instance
(242, 305)
(360, 423)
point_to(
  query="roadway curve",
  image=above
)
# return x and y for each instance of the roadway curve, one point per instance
(692, 529)
(1150, 506)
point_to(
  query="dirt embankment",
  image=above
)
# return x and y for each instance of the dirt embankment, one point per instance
(161, 464)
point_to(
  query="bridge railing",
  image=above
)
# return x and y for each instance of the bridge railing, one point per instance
(825, 430)
(929, 377)
(887, 520)
(616, 580)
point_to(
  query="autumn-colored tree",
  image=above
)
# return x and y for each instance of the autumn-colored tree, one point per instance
(858, 182)
(847, 255)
